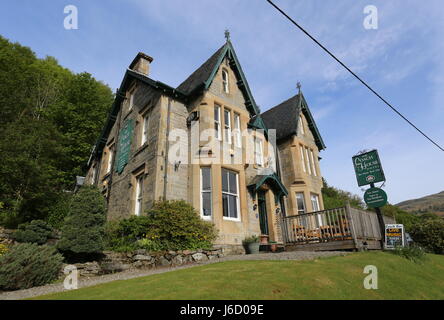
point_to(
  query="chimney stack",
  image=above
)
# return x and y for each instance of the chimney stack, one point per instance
(141, 63)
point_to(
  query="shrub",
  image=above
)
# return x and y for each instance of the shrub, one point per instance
(123, 235)
(36, 231)
(177, 225)
(3, 249)
(169, 225)
(252, 239)
(59, 211)
(83, 228)
(429, 233)
(27, 265)
(412, 253)
(150, 244)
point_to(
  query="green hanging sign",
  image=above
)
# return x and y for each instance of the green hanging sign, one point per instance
(368, 168)
(124, 145)
(375, 198)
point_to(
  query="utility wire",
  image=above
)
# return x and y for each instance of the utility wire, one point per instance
(355, 75)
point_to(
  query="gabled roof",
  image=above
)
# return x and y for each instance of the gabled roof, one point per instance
(272, 180)
(284, 118)
(202, 78)
(197, 79)
(197, 82)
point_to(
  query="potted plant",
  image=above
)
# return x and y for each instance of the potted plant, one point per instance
(273, 246)
(251, 244)
(264, 239)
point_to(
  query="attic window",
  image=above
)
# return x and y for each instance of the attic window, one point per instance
(301, 124)
(225, 80)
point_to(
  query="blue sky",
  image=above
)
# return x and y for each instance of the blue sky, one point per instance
(402, 59)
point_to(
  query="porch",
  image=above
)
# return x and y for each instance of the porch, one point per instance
(335, 229)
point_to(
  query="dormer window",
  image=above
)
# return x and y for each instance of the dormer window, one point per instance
(225, 80)
(301, 124)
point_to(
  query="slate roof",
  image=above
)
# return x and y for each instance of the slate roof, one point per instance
(285, 119)
(202, 74)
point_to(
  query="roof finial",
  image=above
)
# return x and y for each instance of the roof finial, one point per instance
(298, 85)
(227, 35)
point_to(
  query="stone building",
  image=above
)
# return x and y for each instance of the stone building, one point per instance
(207, 143)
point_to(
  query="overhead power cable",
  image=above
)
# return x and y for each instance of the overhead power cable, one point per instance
(355, 75)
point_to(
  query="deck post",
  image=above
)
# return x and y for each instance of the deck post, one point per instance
(352, 224)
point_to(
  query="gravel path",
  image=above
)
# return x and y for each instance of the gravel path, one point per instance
(86, 282)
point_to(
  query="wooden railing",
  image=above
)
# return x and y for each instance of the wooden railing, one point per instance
(343, 223)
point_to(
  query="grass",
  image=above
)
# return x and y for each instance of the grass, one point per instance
(327, 278)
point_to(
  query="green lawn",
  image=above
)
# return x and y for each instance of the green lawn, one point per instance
(328, 278)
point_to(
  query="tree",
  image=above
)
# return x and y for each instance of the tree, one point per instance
(49, 119)
(429, 233)
(83, 228)
(335, 198)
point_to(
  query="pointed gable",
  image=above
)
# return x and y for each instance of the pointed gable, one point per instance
(198, 78)
(284, 118)
(202, 78)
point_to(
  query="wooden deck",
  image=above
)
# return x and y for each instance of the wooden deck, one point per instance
(343, 228)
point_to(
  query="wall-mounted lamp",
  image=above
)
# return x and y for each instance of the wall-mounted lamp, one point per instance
(278, 210)
(176, 165)
(254, 207)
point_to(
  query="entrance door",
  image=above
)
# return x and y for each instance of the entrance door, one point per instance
(263, 219)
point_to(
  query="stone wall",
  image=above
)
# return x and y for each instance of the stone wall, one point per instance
(141, 259)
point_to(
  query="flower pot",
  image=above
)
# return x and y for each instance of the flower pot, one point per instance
(264, 239)
(252, 247)
(273, 247)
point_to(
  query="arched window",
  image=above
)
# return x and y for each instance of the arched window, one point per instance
(225, 80)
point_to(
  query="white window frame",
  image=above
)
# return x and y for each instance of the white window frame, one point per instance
(138, 195)
(237, 131)
(308, 160)
(227, 127)
(110, 158)
(303, 201)
(313, 163)
(301, 150)
(206, 191)
(238, 218)
(315, 200)
(145, 128)
(258, 152)
(225, 81)
(217, 122)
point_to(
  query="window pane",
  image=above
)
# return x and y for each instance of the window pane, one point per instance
(300, 202)
(206, 203)
(302, 158)
(225, 204)
(315, 202)
(233, 206)
(232, 182)
(224, 180)
(206, 179)
(227, 118)
(216, 113)
(313, 163)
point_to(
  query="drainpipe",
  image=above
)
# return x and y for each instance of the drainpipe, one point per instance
(167, 147)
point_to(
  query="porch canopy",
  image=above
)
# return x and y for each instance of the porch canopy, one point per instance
(272, 180)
